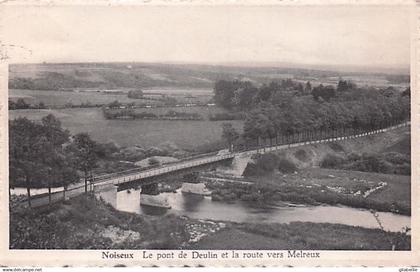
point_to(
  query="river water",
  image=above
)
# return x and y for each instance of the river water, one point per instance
(199, 207)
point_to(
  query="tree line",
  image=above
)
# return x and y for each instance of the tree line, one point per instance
(21, 104)
(44, 155)
(288, 107)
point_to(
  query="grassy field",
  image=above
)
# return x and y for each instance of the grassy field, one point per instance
(61, 98)
(204, 111)
(186, 134)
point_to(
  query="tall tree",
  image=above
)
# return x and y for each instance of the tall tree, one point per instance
(308, 87)
(85, 156)
(35, 151)
(25, 149)
(56, 136)
(229, 134)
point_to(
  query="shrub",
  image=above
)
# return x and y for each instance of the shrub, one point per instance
(403, 169)
(155, 151)
(286, 166)
(396, 158)
(336, 147)
(301, 155)
(227, 116)
(132, 153)
(252, 170)
(265, 164)
(374, 163)
(168, 147)
(135, 94)
(268, 162)
(353, 157)
(331, 161)
(153, 161)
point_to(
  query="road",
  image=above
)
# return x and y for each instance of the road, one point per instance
(122, 178)
(128, 176)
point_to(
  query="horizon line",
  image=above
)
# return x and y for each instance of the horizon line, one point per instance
(244, 64)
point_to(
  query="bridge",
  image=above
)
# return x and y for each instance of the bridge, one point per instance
(140, 176)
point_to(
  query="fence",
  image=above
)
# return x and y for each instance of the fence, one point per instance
(311, 136)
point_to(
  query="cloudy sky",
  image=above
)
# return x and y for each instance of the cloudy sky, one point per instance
(369, 36)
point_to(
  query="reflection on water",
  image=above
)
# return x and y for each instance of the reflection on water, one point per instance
(150, 210)
(191, 202)
(200, 207)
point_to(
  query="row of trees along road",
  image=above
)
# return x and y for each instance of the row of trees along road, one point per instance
(43, 154)
(287, 108)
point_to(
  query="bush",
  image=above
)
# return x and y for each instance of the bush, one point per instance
(396, 158)
(227, 116)
(268, 162)
(336, 147)
(388, 163)
(251, 170)
(403, 169)
(374, 163)
(286, 166)
(135, 94)
(168, 147)
(155, 151)
(331, 161)
(353, 157)
(132, 153)
(301, 155)
(264, 164)
(153, 161)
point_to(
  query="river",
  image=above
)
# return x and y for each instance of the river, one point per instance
(199, 207)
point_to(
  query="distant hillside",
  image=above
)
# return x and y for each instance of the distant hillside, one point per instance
(142, 75)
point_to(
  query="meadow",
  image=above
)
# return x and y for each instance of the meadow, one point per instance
(186, 134)
(61, 98)
(205, 112)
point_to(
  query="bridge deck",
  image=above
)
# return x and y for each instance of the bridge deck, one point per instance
(124, 177)
(214, 158)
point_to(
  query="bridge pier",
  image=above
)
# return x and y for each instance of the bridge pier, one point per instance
(150, 196)
(149, 189)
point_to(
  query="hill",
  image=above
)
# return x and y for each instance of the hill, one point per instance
(53, 76)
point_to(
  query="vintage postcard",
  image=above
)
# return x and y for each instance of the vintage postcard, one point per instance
(209, 133)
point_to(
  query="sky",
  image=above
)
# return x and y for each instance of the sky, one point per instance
(354, 36)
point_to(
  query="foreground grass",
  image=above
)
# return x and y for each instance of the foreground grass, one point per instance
(85, 222)
(303, 235)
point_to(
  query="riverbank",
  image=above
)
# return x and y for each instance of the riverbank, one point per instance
(88, 223)
(314, 186)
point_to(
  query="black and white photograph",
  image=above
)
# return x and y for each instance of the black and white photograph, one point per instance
(208, 127)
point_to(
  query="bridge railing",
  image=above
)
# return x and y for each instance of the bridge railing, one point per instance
(45, 199)
(290, 141)
(118, 179)
(102, 177)
(314, 135)
(139, 173)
